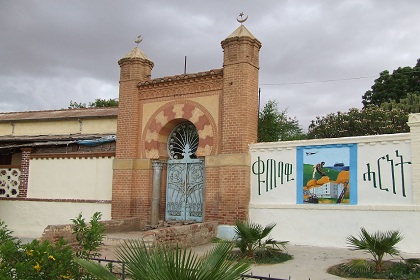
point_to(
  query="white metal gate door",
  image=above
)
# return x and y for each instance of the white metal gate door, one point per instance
(185, 179)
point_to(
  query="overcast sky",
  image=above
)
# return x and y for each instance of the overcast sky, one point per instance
(314, 60)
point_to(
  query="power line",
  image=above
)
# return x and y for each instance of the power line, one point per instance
(332, 80)
(321, 81)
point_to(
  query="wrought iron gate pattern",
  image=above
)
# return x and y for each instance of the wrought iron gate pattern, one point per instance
(184, 192)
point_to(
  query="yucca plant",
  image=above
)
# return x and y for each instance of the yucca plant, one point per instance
(378, 245)
(252, 238)
(172, 263)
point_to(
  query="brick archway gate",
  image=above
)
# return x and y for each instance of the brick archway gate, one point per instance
(221, 103)
(180, 134)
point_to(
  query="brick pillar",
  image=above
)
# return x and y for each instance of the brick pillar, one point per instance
(240, 91)
(414, 123)
(239, 124)
(24, 172)
(131, 175)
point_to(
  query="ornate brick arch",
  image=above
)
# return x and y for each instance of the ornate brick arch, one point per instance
(161, 123)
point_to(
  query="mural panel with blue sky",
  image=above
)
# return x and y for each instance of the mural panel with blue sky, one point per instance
(327, 174)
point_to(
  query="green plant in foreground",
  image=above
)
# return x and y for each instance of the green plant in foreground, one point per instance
(89, 237)
(378, 245)
(169, 263)
(36, 260)
(46, 260)
(252, 238)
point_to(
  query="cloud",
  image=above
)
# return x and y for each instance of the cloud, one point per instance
(52, 52)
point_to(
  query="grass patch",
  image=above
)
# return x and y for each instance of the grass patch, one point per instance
(264, 258)
(359, 268)
(272, 258)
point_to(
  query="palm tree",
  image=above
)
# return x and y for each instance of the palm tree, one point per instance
(250, 238)
(166, 263)
(378, 245)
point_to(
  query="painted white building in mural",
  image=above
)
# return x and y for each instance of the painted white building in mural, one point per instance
(328, 190)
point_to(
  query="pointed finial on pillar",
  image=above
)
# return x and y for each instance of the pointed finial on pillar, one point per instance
(242, 19)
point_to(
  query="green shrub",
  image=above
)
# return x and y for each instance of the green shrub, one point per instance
(88, 236)
(36, 260)
(46, 260)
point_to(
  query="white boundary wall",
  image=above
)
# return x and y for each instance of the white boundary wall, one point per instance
(58, 190)
(375, 208)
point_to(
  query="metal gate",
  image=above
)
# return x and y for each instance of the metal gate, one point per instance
(185, 181)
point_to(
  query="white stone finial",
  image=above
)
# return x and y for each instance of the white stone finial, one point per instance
(242, 19)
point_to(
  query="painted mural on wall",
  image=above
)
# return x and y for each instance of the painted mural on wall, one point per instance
(326, 174)
(373, 172)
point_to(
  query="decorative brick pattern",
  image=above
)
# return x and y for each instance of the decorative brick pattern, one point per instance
(24, 169)
(160, 125)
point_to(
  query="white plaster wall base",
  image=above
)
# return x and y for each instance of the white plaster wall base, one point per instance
(330, 226)
(28, 219)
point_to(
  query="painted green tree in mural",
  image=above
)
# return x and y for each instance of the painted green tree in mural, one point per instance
(275, 125)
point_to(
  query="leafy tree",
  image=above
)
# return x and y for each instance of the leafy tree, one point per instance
(372, 120)
(274, 125)
(75, 105)
(98, 103)
(410, 104)
(35, 260)
(104, 103)
(393, 87)
(167, 263)
(378, 244)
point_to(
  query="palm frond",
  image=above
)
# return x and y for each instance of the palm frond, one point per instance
(95, 269)
(177, 263)
(377, 244)
(356, 266)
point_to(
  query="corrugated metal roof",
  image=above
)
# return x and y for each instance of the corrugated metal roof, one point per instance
(61, 137)
(109, 112)
(7, 142)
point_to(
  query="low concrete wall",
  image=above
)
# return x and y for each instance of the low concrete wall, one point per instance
(185, 235)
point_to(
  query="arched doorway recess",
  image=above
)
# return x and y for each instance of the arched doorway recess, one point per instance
(185, 179)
